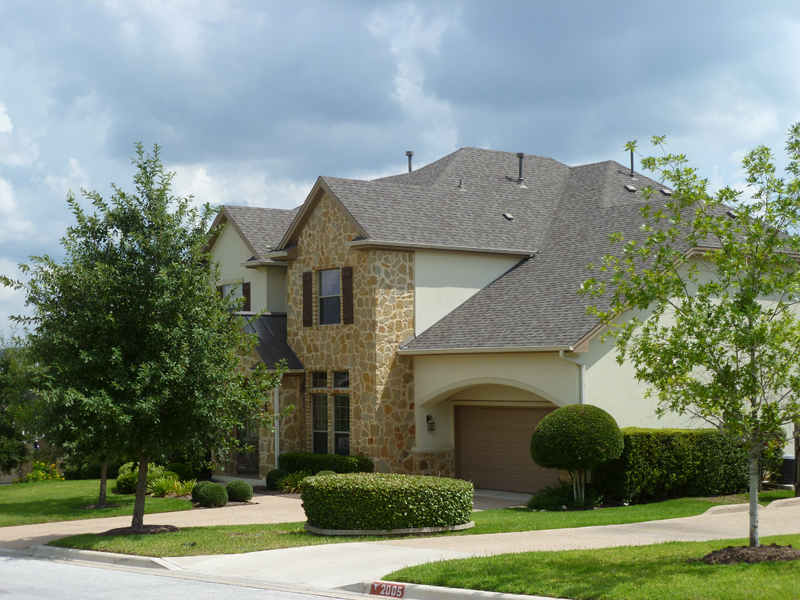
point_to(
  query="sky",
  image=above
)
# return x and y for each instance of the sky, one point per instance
(252, 101)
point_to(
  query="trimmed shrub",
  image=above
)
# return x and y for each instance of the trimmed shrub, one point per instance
(129, 476)
(239, 491)
(322, 473)
(184, 471)
(273, 477)
(659, 463)
(92, 470)
(211, 496)
(576, 438)
(72, 472)
(294, 462)
(199, 486)
(384, 502)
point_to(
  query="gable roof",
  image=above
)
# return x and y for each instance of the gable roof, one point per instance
(535, 304)
(261, 229)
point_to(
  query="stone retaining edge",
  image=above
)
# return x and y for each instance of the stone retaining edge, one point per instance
(388, 532)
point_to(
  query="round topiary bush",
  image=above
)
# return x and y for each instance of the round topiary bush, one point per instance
(274, 476)
(197, 487)
(212, 496)
(382, 502)
(576, 438)
(239, 491)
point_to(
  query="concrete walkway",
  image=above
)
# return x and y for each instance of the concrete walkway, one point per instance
(351, 566)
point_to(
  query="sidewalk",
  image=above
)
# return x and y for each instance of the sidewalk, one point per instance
(354, 566)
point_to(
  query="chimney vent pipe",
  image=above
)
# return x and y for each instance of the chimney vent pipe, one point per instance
(409, 154)
(520, 180)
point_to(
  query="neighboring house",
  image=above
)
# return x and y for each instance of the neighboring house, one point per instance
(432, 316)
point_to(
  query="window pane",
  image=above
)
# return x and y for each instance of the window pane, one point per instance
(341, 416)
(329, 283)
(319, 412)
(320, 442)
(329, 313)
(341, 379)
(342, 443)
(319, 379)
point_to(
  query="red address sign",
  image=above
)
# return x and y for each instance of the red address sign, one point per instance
(390, 590)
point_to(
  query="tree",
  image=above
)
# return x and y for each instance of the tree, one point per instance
(140, 354)
(576, 438)
(718, 275)
(13, 398)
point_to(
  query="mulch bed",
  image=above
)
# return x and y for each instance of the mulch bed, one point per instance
(744, 554)
(143, 530)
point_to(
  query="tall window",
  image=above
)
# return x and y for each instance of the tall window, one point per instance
(319, 418)
(334, 425)
(329, 297)
(341, 424)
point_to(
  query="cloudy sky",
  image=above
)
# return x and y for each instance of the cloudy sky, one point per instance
(251, 101)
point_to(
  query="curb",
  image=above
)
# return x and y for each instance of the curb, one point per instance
(108, 558)
(430, 592)
(388, 532)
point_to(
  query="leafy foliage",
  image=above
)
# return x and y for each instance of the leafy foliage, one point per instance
(129, 475)
(211, 496)
(660, 463)
(714, 284)
(41, 471)
(292, 483)
(273, 478)
(576, 438)
(239, 491)
(140, 352)
(314, 463)
(184, 471)
(377, 501)
(199, 486)
(14, 382)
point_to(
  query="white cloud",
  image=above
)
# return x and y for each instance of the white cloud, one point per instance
(252, 188)
(410, 34)
(5, 121)
(75, 180)
(12, 225)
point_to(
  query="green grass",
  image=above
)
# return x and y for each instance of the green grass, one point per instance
(628, 573)
(48, 501)
(233, 539)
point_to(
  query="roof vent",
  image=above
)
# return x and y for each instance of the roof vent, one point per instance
(630, 188)
(732, 214)
(508, 216)
(632, 175)
(409, 154)
(520, 180)
(461, 185)
(666, 192)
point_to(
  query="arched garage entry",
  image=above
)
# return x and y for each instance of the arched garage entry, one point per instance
(492, 427)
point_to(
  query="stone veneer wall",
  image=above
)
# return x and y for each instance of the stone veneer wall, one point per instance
(291, 427)
(381, 383)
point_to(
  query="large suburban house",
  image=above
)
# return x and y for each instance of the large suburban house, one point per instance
(429, 320)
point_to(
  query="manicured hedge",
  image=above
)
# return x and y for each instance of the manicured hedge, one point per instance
(378, 501)
(294, 462)
(239, 491)
(211, 496)
(658, 463)
(273, 477)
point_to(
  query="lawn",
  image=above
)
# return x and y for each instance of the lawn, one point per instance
(659, 572)
(233, 539)
(48, 501)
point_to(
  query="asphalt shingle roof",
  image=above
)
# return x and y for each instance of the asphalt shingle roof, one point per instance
(263, 227)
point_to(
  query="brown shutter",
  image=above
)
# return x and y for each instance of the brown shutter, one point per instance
(347, 295)
(308, 300)
(246, 294)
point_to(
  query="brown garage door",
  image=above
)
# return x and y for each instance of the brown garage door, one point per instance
(493, 448)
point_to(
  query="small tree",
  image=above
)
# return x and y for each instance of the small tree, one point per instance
(140, 353)
(718, 276)
(576, 438)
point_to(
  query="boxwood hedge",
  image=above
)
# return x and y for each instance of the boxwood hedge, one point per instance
(658, 463)
(294, 462)
(378, 501)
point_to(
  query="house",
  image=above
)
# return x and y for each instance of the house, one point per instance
(431, 318)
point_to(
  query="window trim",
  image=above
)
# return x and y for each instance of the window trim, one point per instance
(338, 297)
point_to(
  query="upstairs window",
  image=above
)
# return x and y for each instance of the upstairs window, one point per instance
(329, 297)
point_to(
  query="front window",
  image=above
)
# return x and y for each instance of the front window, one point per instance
(319, 419)
(334, 425)
(329, 297)
(341, 424)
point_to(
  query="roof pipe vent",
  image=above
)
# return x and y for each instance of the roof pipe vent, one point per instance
(632, 174)
(520, 180)
(409, 154)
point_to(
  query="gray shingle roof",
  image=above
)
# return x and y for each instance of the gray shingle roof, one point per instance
(272, 346)
(263, 227)
(566, 214)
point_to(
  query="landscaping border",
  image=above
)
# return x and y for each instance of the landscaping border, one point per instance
(388, 532)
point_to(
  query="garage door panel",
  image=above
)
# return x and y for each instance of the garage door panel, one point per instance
(493, 448)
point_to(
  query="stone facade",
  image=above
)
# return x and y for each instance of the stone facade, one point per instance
(381, 383)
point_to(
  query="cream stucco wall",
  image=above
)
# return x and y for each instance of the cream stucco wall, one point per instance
(267, 283)
(444, 280)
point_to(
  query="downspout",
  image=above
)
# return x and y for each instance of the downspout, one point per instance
(581, 375)
(276, 402)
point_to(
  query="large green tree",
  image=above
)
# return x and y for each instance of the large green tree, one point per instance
(713, 284)
(14, 400)
(140, 354)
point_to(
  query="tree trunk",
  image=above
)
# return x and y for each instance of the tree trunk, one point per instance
(101, 502)
(754, 477)
(141, 493)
